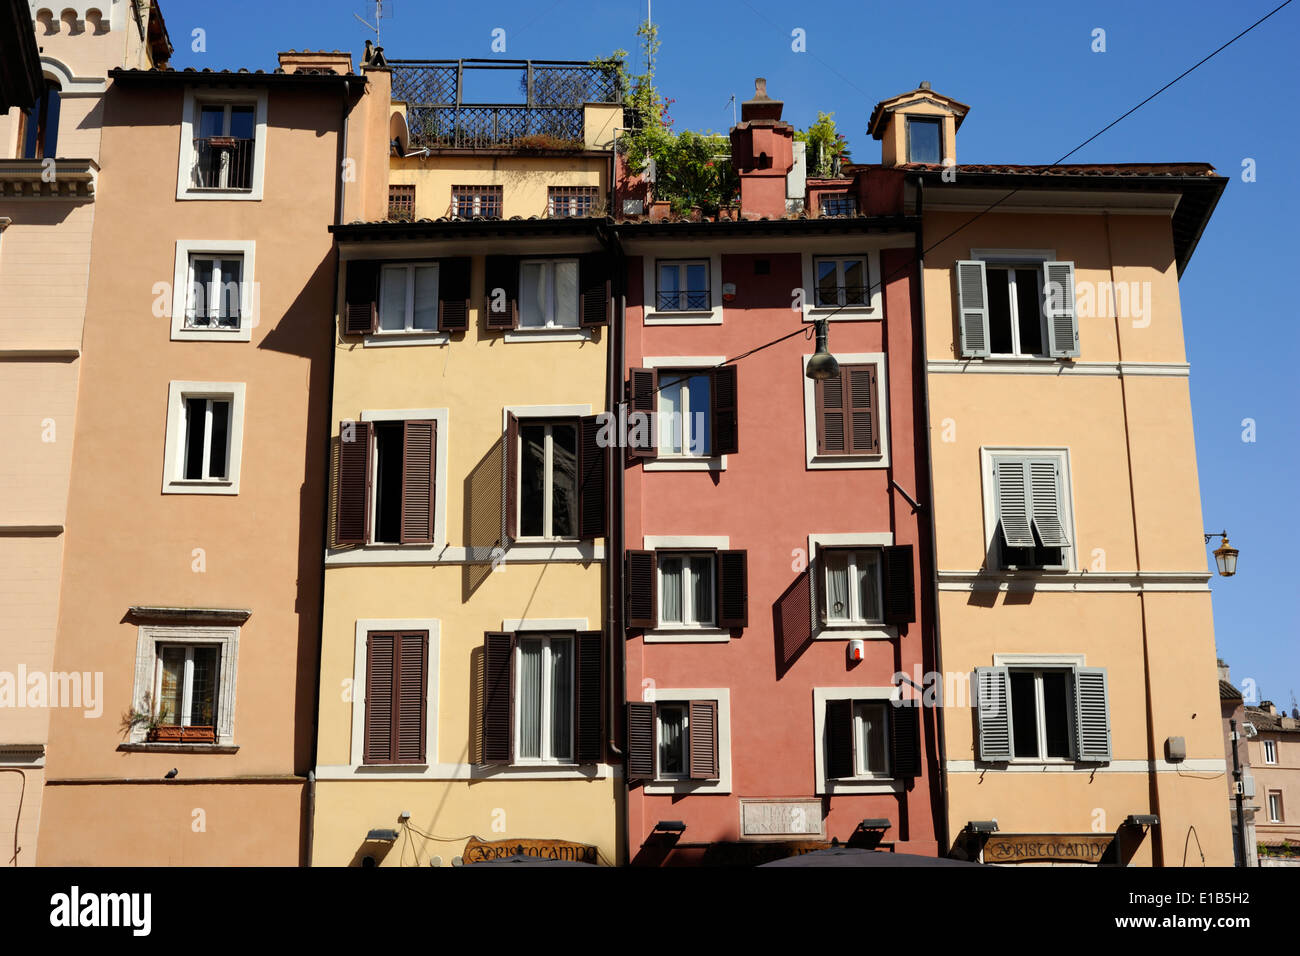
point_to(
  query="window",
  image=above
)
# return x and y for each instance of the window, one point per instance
(205, 422)
(185, 689)
(408, 298)
(548, 479)
(866, 736)
(1016, 304)
(675, 740)
(1030, 500)
(224, 146)
(564, 202)
(674, 745)
(40, 125)
(842, 281)
(185, 679)
(390, 478)
(1040, 714)
(401, 202)
(924, 140)
(848, 417)
(853, 586)
(548, 294)
(396, 705)
(838, 204)
(1016, 318)
(857, 738)
(1270, 751)
(683, 286)
(686, 592)
(216, 291)
(545, 695)
(684, 413)
(688, 418)
(1275, 806)
(1043, 712)
(470, 202)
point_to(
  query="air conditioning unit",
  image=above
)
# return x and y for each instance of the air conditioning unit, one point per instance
(1247, 786)
(1249, 729)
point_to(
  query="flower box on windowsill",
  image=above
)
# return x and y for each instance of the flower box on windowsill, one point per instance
(221, 142)
(172, 734)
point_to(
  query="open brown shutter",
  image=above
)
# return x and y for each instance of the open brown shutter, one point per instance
(640, 741)
(726, 435)
(588, 719)
(642, 597)
(501, 272)
(594, 281)
(361, 290)
(733, 589)
(905, 741)
(839, 739)
(864, 415)
(453, 294)
(352, 520)
(510, 481)
(832, 430)
(702, 726)
(498, 695)
(411, 705)
(419, 450)
(642, 394)
(900, 604)
(592, 483)
(380, 652)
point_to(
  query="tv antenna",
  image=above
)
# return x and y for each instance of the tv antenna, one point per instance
(380, 15)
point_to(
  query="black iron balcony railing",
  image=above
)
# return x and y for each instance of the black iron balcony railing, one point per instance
(485, 127)
(223, 162)
(685, 301)
(843, 295)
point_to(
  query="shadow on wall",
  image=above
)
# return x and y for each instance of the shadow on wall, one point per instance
(483, 519)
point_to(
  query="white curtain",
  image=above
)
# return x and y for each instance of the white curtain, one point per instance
(426, 298)
(530, 698)
(871, 738)
(670, 590)
(672, 749)
(392, 299)
(868, 591)
(532, 296)
(702, 591)
(837, 587)
(670, 419)
(566, 293)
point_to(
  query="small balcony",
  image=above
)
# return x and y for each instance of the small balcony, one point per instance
(223, 163)
(60, 179)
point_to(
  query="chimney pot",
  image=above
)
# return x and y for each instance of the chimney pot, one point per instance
(760, 88)
(925, 84)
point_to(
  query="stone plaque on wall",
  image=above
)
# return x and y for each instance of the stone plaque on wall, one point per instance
(780, 819)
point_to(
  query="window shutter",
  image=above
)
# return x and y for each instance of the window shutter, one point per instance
(361, 290)
(378, 746)
(353, 500)
(973, 308)
(732, 592)
(591, 747)
(1092, 715)
(419, 449)
(1012, 494)
(900, 591)
(642, 596)
(642, 393)
(498, 696)
(1062, 322)
(703, 731)
(794, 618)
(864, 422)
(816, 606)
(592, 482)
(502, 272)
(453, 294)
(905, 740)
(510, 481)
(839, 739)
(597, 298)
(993, 705)
(832, 431)
(411, 705)
(726, 434)
(640, 741)
(1046, 511)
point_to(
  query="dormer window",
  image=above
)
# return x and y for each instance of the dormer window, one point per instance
(924, 140)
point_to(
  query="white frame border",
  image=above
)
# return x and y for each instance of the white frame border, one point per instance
(189, 119)
(441, 416)
(875, 311)
(651, 316)
(249, 302)
(364, 626)
(857, 784)
(172, 455)
(148, 636)
(684, 635)
(670, 695)
(1062, 453)
(851, 632)
(682, 463)
(814, 461)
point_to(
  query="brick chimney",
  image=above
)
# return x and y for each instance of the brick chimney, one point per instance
(1223, 671)
(762, 150)
(1268, 707)
(316, 61)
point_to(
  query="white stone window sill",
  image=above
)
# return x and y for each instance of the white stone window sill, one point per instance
(668, 634)
(685, 317)
(197, 487)
(422, 337)
(205, 333)
(557, 334)
(861, 785)
(855, 632)
(669, 786)
(827, 462)
(685, 463)
(835, 313)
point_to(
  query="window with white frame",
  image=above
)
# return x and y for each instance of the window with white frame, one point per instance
(924, 139)
(842, 281)
(216, 291)
(224, 146)
(186, 686)
(868, 742)
(1270, 751)
(185, 678)
(673, 740)
(1041, 713)
(852, 586)
(545, 699)
(1017, 320)
(548, 478)
(871, 738)
(214, 295)
(204, 437)
(683, 285)
(1275, 806)
(686, 589)
(548, 294)
(1030, 510)
(408, 297)
(685, 414)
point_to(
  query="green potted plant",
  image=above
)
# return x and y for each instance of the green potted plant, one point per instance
(143, 716)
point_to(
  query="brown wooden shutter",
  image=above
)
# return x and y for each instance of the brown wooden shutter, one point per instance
(839, 739)
(726, 435)
(832, 430)
(361, 292)
(733, 589)
(594, 281)
(380, 666)
(419, 451)
(899, 603)
(352, 525)
(498, 696)
(864, 414)
(502, 272)
(592, 482)
(702, 726)
(411, 704)
(453, 294)
(905, 740)
(642, 395)
(640, 741)
(642, 594)
(591, 745)
(510, 481)
(794, 619)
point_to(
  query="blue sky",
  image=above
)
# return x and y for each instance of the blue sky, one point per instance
(1037, 90)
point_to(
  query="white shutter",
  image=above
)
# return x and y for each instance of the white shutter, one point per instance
(1092, 715)
(1058, 300)
(973, 308)
(1012, 492)
(993, 707)
(1049, 521)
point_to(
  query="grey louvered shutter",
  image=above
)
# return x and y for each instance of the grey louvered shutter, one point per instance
(640, 741)
(839, 739)
(972, 308)
(588, 705)
(905, 740)
(702, 728)
(1011, 488)
(498, 696)
(993, 705)
(1092, 715)
(1058, 302)
(1046, 508)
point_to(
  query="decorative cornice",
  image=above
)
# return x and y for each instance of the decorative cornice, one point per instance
(1055, 367)
(1131, 582)
(73, 179)
(144, 613)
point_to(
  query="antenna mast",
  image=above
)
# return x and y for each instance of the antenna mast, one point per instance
(379, 16)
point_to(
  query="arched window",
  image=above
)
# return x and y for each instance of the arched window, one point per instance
(41, 124)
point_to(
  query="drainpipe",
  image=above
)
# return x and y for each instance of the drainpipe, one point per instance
(22, 793)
